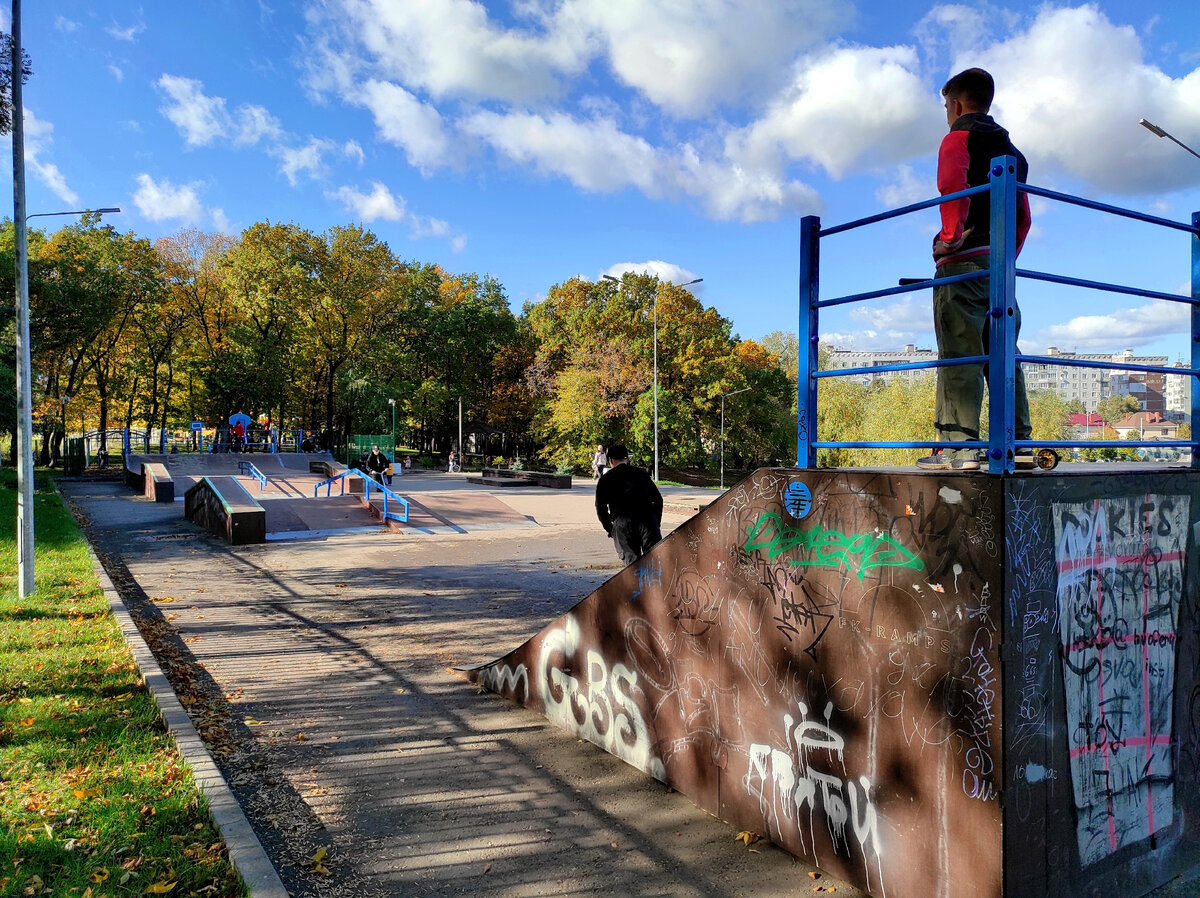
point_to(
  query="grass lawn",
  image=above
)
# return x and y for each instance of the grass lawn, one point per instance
(94, 798)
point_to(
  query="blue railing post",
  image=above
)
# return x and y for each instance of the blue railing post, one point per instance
(1002, 339)
(1194, 381)
(806, 399)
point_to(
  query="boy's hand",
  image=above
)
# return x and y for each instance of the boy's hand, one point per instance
(941, 248)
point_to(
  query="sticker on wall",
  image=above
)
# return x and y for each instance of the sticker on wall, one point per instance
(797, 499)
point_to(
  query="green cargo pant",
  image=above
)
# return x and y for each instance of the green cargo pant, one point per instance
(960, 321)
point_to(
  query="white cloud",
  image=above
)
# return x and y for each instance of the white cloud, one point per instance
(450, 48)
(254, 123)
(351, 149)
(410, 124)
(379, 203)
(62, 23)
(848, 108)
(127, 33)
(1071, 89)
(117, 72)
(686, 57)
(221, 221)
(164, 201)
(307, 159)
(202, 119)
(38, 137)
(1124, 327)
(907, 188)
(667, 272)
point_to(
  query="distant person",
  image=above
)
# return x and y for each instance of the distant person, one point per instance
(960, 310)
(599, 462)
(629, 506)
(453, 465)
(238, 435)
(408, 463)
(376, 464)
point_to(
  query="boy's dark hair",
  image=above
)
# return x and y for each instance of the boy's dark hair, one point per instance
(974, 86)
(618, 452)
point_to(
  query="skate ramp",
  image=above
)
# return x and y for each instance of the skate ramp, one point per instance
(818, 657)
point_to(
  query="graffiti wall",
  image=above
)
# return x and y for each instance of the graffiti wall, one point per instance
(1103, 714)
(816, 657)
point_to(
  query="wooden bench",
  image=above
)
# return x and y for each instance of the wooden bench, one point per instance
(222, 506)
(157, 483)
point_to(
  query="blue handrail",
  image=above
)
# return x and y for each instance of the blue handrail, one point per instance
(401, 516)
(246, 467)
(369, 484)
(1003, 357)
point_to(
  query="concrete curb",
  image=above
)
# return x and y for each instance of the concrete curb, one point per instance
(245, 851)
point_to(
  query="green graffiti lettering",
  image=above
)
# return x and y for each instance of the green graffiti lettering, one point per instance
(828, 548)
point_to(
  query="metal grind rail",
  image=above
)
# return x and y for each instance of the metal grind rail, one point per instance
(369, 484)
(1003, 357)
(247, 467)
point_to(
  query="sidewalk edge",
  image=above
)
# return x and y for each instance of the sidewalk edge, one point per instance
(246, 853)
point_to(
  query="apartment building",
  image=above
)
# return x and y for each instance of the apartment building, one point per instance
(874, 358)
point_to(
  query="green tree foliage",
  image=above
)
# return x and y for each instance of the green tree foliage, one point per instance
(1115, 409)
(592, 377)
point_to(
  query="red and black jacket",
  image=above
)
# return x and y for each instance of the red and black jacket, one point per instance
(964, 159)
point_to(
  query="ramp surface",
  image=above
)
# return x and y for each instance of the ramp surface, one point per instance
(817, 657)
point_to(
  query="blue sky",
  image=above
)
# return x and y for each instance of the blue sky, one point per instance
(535, 140)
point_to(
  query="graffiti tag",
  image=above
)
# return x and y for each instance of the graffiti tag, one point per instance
(830, 548)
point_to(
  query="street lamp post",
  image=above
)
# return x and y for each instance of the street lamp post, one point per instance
(723, 395)
(392, 403)
(25, 579)
(1159, 132)
(609, 277)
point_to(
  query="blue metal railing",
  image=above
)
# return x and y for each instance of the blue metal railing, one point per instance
(1003, 357)
(369, 484)
(246, 467)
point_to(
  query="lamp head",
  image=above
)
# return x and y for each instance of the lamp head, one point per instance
(1152, 128)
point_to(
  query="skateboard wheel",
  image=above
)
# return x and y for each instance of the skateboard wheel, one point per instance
(1047, 459)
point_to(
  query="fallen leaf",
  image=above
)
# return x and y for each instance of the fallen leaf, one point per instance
(320, 868)
(27, 722)
(24, 701)
(300, 737)
(747, 837)
(100, 875)
(160, 888)
(487, 867)
(319, 856)
(250, 721)
(813, 875)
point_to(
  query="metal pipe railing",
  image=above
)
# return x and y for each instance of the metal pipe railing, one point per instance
(1001, 362)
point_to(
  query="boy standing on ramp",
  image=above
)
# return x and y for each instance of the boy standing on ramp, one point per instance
(960, 310)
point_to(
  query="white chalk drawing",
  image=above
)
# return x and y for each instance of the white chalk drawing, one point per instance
(1120, 582)
(792, 794)
(601, 708)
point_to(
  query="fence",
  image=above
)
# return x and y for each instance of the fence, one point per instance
(1003, 357)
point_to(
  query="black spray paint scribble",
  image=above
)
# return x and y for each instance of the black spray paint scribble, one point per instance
(1120, 582)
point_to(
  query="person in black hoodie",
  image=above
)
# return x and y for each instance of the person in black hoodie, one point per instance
(629, 506)
(960, 311)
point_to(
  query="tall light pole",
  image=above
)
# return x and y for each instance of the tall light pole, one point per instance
(1159, 132)
(609, 277)
(392, 403)
(723, 395)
